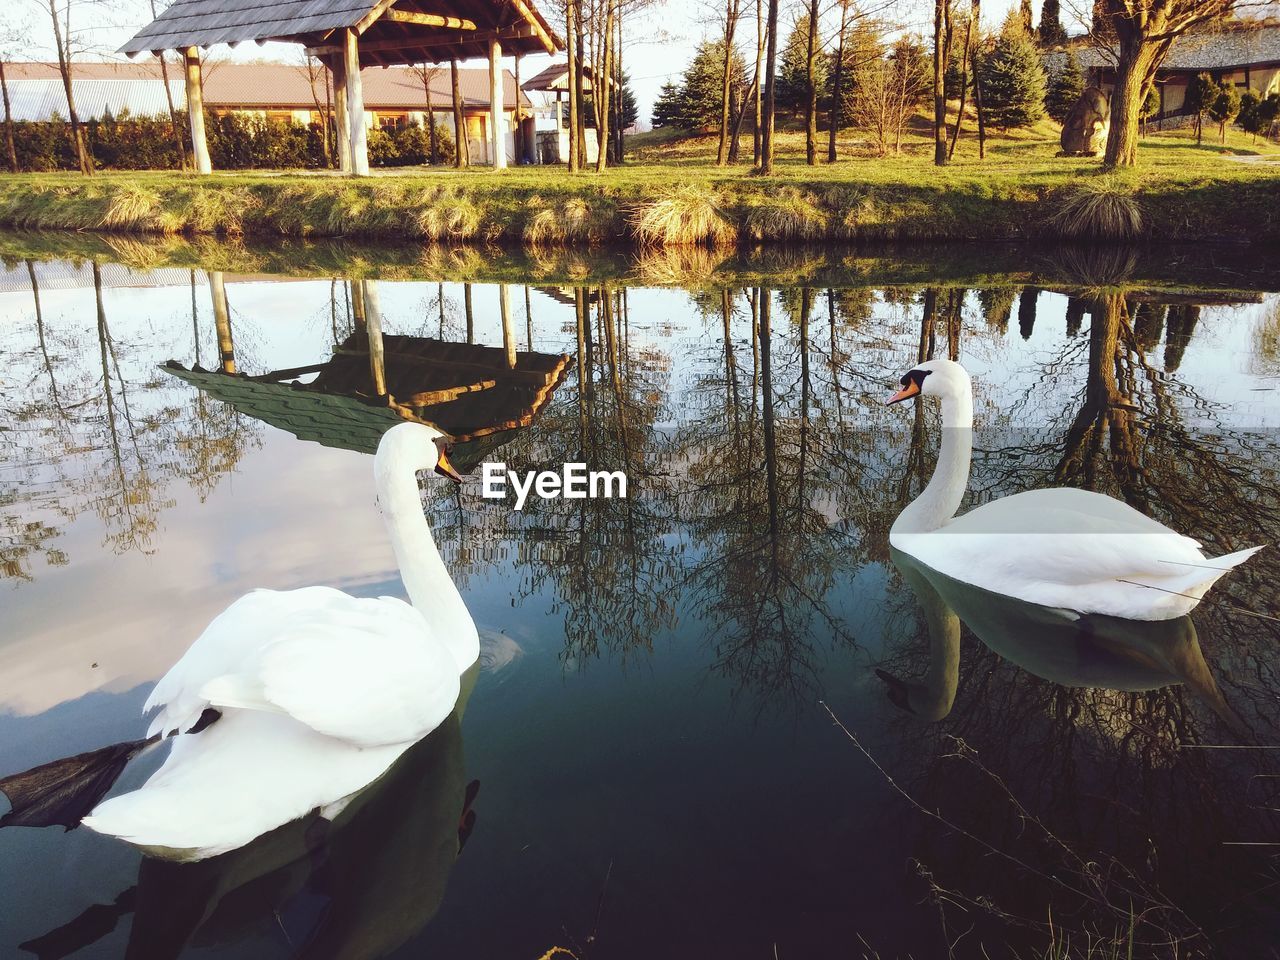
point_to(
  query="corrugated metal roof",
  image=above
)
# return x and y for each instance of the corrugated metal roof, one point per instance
(41, 99)
(36, 89)
(66, 275)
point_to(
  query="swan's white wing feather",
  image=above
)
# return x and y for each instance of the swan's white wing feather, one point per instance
(246, 774)
(370, 674)
(365, 670)
(233, 637)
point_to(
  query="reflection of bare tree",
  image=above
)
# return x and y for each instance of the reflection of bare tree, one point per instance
(111, 437)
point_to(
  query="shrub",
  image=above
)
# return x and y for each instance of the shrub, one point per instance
(1098, 209)
(1224, 107)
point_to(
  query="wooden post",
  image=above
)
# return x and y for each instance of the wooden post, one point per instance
(508, 331)
(373, 328)
(496, 110)
(222, 321)
(355, 104)
(195, 111)
(341, 118)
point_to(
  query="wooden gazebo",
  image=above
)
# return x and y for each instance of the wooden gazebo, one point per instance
(348, 35)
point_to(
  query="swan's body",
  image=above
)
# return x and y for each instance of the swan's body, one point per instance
(319, 692)
(1062, 547)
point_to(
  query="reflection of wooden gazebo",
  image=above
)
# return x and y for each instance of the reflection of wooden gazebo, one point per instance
(349, 34)
(477, 394)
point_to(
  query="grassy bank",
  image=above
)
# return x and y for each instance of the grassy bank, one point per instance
(1058, 266)
(670, 196)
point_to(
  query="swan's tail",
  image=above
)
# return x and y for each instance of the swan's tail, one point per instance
(1193, 581)
(63, 791)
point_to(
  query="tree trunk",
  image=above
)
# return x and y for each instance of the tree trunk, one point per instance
(461, 153)
(976, 14)
(179, 140)
(770, 76)
(757, 133)
(432, 143)
(10, 150)
(737, 123)
(730, 23)
(941, 29)
(837, 84)
(600, 96)
(580, 132)
(64, 68)
(811, 91)
(964, 86)
(571, 45)
(1133, 66)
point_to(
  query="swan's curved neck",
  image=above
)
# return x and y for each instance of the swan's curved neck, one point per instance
(431, 590)
(938, 502)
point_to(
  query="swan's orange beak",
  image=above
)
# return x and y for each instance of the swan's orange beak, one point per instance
(906, 393)
(445, 468)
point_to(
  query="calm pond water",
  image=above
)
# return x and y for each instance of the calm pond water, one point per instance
(652, 726)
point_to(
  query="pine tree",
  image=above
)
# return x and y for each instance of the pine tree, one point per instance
(1051, 32)
(1200, 93)
(628, 109)
(792, 86)
(700, 91)
(1013, 81)
(1224, 107)
(1025, 15)
(1064, 89)
(666, 109)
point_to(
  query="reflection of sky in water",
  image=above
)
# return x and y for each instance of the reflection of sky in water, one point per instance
(713, 817)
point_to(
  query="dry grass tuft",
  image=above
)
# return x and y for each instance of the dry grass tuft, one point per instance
(687, 216)
(789, 214)
(1096, 208)
(575, 222)
(136, 208)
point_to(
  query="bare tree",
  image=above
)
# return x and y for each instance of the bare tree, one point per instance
(461, 152)
(10, 35)
(941, 54)
(428, 73)
(572, 14)
(887, 92)
(179, 136)
(811, 88)
(317, 73)
(770, 82)
(63, 40)
(732, 10)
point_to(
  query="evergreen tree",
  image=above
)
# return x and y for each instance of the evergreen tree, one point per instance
(1025, 15)
(628, 109)
(1013, 81)
(700, 92)
(666, 109)
(1064, 89)
(1051, 32)
(1258, 114)
(791, 90)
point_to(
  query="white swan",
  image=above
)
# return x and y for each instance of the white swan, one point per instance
(319, 692)
(1061, 547)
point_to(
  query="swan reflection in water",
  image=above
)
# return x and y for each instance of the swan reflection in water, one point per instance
(1058, 645)
(378, 869)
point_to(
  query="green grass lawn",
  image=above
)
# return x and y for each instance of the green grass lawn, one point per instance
(670, 190)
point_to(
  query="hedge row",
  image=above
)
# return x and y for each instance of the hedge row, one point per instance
(236, 142)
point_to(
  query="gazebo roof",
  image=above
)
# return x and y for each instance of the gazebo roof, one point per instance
(466, 390)
(555, 78)
(413, 31)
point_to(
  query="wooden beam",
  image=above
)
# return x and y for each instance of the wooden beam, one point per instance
(429, 20)
(222, 322)
(373, 321)
(342, 120)
(497, 111)
(355, 104)
(478, 38)
(535, 24)
(195, 111)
